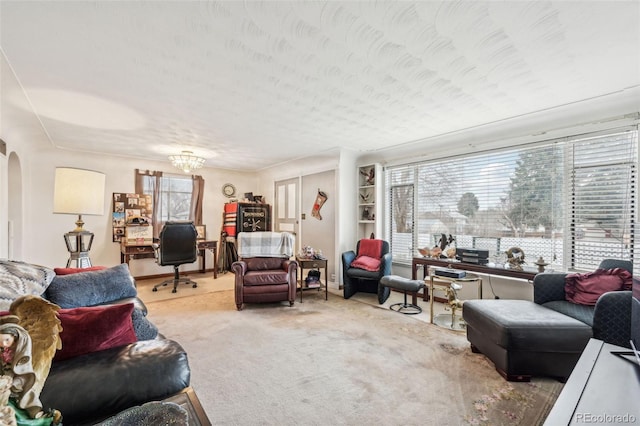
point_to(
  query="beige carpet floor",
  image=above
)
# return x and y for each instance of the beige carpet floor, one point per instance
(225, 281)
(336, 362)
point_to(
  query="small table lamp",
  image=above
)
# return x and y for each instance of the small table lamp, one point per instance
(78, 191)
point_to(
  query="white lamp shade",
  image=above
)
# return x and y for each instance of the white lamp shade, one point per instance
(78, 191)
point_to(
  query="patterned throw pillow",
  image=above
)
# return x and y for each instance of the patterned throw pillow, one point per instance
(20, 278)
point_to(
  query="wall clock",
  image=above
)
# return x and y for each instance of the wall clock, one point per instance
(229, 190)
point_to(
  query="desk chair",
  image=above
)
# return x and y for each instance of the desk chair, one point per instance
(176, 247)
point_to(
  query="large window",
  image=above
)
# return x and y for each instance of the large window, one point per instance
(175, 197)
(571, 201)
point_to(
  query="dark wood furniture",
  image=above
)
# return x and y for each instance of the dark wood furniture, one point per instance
(603, 388)
(130, 251)
(211, 245)
(304, 263)
(188, 400)
(425, 262)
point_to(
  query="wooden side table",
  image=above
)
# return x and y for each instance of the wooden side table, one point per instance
(305, 263)
(208, 245)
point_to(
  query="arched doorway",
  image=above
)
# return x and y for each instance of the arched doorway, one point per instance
(14, 211)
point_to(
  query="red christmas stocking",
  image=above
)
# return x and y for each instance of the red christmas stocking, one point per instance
(321, 198)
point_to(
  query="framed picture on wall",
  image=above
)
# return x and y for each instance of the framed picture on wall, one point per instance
(202, 232)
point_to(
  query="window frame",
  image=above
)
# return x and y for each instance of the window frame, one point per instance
(568, 241)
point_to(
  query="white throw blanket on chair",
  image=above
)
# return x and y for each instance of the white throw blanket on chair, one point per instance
(265, 244)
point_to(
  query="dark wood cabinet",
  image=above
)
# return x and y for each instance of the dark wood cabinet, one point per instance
(254, 217)
(246, 217)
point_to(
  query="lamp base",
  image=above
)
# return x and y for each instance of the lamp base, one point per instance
(79, 224)
(78, 244)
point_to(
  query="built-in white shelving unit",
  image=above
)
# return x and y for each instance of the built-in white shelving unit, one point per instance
(370, 201)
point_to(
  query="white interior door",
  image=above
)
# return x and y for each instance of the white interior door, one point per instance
(287, 207)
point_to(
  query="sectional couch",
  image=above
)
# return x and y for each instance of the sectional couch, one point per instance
(112, 356)
(546, 336)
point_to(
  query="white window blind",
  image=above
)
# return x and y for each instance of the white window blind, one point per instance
(603, 198)
(571, 201)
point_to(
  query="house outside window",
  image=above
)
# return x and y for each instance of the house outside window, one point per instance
(571, 201)
(175, 196)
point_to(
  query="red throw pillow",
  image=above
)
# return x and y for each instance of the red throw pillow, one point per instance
(95, 328)
(367, 263)
(585, 289)
(69, 271)
(370, 247)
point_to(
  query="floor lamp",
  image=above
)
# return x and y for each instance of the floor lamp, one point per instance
(78, 191)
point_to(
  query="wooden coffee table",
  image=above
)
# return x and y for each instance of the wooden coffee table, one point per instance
(188, 400)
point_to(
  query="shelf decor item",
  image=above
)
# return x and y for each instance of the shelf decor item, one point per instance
(369, 193)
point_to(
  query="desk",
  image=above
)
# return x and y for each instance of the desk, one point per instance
(129, 251)
(425, 262)
(132, 250)
(213, 247)
(313, 264)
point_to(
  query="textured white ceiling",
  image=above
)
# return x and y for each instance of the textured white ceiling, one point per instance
(249, 84)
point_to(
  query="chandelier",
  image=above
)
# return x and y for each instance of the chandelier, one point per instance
(186, 161)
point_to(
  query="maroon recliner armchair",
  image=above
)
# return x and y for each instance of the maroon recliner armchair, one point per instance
(265, 272)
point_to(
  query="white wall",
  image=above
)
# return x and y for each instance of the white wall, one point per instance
(316, 233)
(4, 206)
(43, 233)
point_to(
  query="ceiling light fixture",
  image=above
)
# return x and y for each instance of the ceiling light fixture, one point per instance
(186, 161)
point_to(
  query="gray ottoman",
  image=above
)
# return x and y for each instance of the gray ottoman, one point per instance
(524, 339)
(407, 286)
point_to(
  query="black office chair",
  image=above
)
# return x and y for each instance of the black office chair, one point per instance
(177, 246)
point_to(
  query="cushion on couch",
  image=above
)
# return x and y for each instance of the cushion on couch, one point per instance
(97, 385)
(91, 288)
(586, 288)
(20, 278)
(264, 263)
(144, 329)
(367, 263)
(96, 328)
